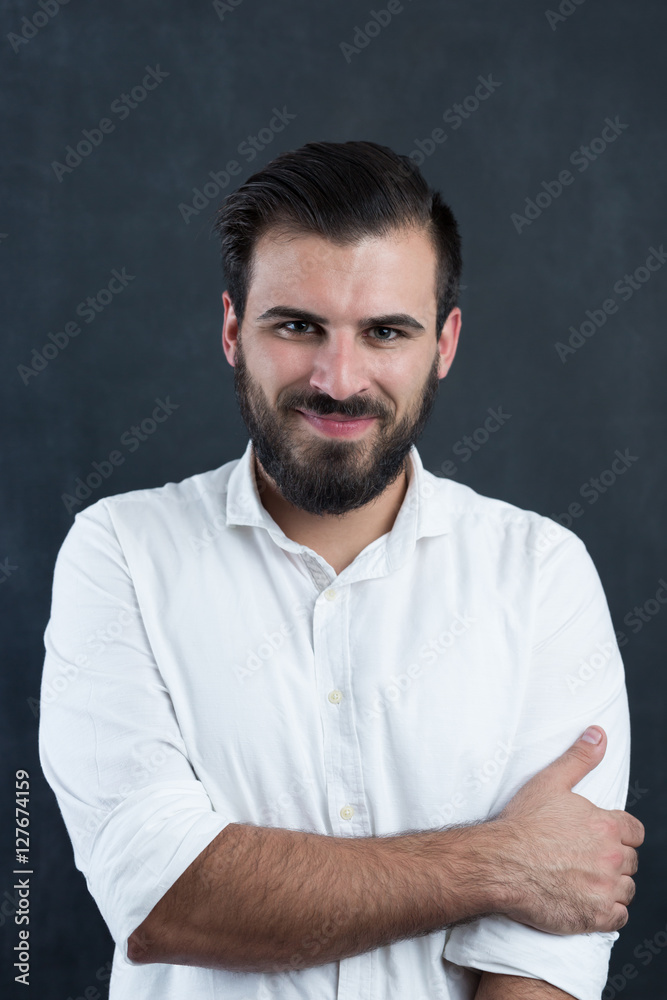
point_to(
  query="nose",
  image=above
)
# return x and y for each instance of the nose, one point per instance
(339, 366)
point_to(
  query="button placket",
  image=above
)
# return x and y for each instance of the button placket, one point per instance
(345, 793)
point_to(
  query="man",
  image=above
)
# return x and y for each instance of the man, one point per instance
(325, 711)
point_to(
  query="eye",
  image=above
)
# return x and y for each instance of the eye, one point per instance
(295, 322)
(292, 325)
(388, 329)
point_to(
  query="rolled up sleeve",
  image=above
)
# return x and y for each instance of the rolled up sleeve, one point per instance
(109, 740)
(575, 678)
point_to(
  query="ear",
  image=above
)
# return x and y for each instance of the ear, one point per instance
(449, 339)
(230, 330)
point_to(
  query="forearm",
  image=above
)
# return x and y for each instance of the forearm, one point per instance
(260, 899)
(493, 986)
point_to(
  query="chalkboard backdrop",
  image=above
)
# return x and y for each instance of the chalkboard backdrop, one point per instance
(126, 124)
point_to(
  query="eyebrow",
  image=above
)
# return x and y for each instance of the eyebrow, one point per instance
(305, 316)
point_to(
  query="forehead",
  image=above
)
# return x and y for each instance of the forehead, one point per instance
(396, 272)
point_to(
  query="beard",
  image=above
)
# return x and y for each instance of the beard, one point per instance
(333, 476)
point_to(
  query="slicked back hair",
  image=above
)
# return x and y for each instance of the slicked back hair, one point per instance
(344, 192)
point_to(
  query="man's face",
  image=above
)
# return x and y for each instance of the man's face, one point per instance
(346, 331)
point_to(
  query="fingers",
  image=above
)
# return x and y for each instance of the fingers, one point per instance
(627, 890)
(630, 862)
(580, 758)
(637, 833)
(618, 918)
(632, 829)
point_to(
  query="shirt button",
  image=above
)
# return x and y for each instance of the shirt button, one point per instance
(330, 595)
(347, 812)
(335, 697)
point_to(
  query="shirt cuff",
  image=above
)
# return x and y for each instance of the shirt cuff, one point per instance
(142, 848)
(578, 964)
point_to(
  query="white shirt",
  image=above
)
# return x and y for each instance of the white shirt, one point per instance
(203, 669)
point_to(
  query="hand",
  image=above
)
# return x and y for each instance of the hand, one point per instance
(568, 863)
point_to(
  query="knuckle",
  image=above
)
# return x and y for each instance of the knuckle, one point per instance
(579, 753)
(615, 827)
(602, 826)
(615, 858)
(609, 823)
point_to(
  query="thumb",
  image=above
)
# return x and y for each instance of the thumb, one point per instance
(585, 754)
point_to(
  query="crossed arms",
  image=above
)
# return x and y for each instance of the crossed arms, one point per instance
(266, 898)
(551, 859)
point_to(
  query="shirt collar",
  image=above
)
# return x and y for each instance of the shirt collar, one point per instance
(423, 511)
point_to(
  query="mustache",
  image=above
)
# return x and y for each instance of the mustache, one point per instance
(323, 406)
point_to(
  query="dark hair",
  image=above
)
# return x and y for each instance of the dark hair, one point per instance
(342, 191)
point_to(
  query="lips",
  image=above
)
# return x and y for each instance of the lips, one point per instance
(338, 426)
(332, 416)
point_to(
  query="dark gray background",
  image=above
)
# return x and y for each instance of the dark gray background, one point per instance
(119, 208)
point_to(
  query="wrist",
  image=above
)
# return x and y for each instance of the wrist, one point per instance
(488, 877)
(506, 846)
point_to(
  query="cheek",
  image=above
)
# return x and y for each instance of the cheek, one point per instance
(400, 383)
(275, 369)
(284, 368)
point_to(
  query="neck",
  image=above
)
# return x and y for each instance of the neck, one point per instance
(338, 538)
